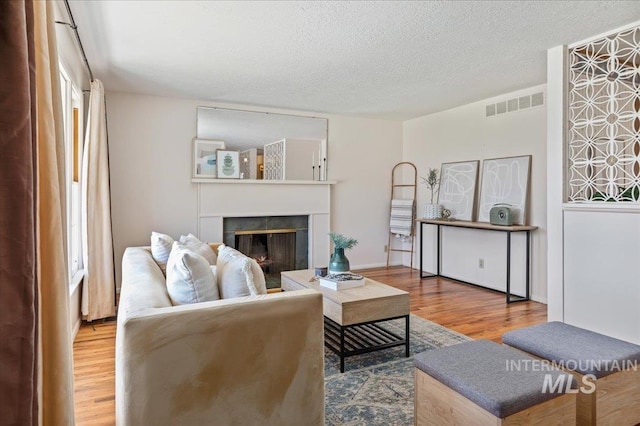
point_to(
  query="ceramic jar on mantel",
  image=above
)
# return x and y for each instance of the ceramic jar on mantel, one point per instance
(433, 211)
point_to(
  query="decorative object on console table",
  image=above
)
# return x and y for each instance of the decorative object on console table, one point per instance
(342, 281)
(457, 190)
(505, 180)
(228, 164)
(500, 214)
(339, 262)
(432, 211)
(204, 157)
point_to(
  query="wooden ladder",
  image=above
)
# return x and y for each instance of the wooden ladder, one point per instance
(395, 188)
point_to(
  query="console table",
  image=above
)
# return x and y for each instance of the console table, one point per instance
(486, 227)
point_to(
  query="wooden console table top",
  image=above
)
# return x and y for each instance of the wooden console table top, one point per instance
(478, 225)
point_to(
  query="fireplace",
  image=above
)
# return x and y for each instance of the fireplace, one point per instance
(277, 243)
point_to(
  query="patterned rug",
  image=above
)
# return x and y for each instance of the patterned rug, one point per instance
(377, 388)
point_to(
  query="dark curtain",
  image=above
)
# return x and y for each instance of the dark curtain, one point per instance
(18, 286)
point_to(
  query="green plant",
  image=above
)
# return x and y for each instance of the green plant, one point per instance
(340, 241)
(624, 194)
(432, 182)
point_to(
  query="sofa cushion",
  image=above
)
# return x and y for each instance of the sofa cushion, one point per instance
(203, 249)
(582, 350)
(143, 284)
(238, 275)
(189, 277)
(161, 248)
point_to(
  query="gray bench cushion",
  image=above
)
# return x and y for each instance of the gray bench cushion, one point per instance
(578, 349)
(485, 373)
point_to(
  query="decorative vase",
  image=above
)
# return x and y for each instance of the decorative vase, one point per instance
(339, 262)
(433, 211)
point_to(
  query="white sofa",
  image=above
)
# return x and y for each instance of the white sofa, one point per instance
(244, 361)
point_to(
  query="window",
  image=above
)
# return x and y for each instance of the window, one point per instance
(72, 123)
(604, 119)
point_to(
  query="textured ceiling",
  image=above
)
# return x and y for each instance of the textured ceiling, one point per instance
(394, 60)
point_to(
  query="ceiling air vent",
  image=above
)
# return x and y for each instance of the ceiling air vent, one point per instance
(515, 104)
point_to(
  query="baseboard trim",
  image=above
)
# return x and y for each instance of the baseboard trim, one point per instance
(539, 299)
(375, 265)
(76, 329)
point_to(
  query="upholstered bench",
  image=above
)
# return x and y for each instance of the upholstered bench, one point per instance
(481, 382)
(606, 368)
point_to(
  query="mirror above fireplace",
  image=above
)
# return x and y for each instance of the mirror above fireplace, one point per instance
(244, 130)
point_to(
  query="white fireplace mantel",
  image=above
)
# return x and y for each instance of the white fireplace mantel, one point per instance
(250, 199)
(262, 182)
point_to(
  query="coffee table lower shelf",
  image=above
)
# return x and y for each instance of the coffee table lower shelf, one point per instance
(362, 338)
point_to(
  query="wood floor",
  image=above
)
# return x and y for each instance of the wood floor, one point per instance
(476, 312)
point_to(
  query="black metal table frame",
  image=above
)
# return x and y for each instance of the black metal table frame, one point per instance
(365, 337)
(510, 298)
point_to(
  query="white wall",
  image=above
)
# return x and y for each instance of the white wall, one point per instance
(601, 273)
(150, 156)
(464, 133)
(556, 92)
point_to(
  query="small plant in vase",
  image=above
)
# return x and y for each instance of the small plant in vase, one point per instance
(339, 262)
(432, 210)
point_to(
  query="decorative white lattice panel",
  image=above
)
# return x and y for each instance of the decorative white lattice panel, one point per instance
(274, 160)
(604, 120)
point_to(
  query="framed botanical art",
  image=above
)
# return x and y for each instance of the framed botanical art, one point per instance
(228, 164)
(458, 183)
(505, 180)
(204, 157)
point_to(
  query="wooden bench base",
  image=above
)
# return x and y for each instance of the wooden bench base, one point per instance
(615, 401)
(437, 404)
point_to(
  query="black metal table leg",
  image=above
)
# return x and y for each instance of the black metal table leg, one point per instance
(508, 267)
(407, 336)
(438, 253)
(528, 264)
(421, 238)
(341, 349)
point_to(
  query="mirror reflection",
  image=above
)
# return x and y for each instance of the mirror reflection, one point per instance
(296, 145)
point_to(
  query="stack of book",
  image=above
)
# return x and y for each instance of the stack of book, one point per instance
(342, 281)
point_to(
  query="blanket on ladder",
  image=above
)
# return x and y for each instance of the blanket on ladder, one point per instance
(401, 216)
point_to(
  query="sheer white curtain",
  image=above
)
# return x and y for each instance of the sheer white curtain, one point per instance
(98, 293)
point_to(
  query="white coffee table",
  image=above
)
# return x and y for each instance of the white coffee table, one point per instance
(353, 316)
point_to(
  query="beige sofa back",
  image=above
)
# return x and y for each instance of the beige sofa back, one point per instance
(245, 361)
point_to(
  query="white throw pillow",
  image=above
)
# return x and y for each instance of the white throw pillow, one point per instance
(203, 249)
(238, 275)
(190, 278)
(161, 249)
(214, 272)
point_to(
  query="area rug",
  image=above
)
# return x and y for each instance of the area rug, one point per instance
(377, 388)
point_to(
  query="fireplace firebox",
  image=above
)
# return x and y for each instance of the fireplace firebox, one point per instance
(277, 243)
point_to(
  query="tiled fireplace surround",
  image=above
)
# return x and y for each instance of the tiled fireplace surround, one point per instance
(269, 223)
(256, 201)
